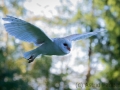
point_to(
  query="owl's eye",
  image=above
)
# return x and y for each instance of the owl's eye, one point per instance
(65, 44)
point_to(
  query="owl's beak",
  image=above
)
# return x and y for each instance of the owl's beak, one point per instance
(68, 48)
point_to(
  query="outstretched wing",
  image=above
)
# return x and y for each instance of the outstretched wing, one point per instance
(25, 31)
(75, 37)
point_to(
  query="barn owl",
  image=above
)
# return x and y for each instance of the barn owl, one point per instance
(25, 31)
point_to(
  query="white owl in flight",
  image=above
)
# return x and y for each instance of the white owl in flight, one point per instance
(27, 32)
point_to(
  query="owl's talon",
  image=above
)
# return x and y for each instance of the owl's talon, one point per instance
(31, 59)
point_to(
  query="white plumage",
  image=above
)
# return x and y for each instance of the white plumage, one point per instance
(30, 33)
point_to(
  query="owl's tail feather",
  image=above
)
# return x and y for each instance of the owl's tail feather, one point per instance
(30, 55)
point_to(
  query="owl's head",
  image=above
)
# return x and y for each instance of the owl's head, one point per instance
(64, 45)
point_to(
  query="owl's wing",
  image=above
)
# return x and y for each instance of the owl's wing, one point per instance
(75, 37)
(25, 31)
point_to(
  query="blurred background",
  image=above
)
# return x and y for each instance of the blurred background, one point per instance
(93, 64)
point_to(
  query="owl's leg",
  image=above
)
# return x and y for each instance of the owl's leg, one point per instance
(31, 55)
